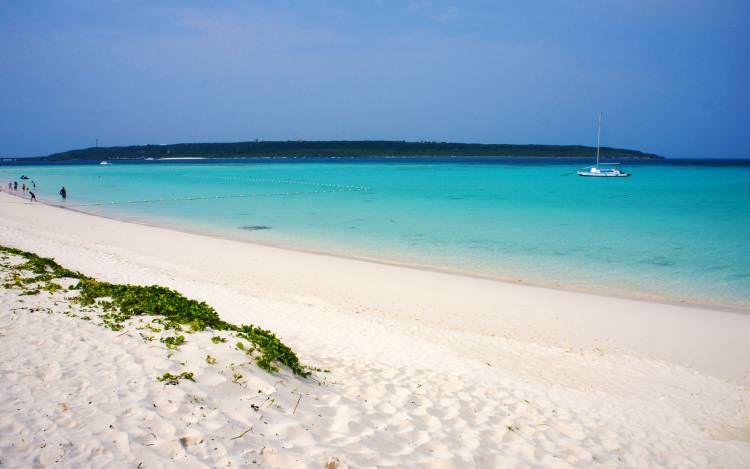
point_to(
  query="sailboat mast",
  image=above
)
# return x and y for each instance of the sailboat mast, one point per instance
(598, 138)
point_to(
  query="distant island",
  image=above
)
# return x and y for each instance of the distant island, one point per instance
(340, 148)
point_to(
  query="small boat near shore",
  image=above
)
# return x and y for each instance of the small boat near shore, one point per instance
(105, 162)
(608, 169)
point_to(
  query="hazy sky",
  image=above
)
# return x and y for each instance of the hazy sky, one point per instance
(671, 77)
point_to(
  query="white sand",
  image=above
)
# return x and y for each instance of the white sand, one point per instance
(428, 369)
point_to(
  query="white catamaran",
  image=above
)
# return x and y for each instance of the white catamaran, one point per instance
(609, 170)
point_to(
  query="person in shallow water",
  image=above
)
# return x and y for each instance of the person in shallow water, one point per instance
(63, 193)
(15, 185)
(33, 196)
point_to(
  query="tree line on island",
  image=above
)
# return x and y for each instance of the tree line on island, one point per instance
(342, 148)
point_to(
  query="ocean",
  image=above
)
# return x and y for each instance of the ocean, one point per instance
(677, 230)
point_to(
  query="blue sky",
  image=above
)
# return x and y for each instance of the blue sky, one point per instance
(671, 77)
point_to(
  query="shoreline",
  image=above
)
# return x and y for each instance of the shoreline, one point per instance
(414, 368)
(558, 286)
(561, 286)
(429, 296)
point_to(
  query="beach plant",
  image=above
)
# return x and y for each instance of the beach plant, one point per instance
(43, 269)
(210, 360)
(217, 339)
(169, 378)
(173, 342)
(51, 287)
(122, 302)
(111, 321)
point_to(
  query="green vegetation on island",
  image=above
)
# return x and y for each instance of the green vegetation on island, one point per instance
(343, 148)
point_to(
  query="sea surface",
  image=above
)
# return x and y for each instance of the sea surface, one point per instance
(677, 230)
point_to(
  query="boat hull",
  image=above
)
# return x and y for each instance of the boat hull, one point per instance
(603, 174)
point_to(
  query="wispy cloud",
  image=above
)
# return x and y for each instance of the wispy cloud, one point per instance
(256, 26)
(439, 10)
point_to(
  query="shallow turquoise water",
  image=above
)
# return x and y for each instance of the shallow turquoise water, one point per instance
(674, 231)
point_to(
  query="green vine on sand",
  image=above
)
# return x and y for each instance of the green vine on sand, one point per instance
(173, 342)
(169, 378)
(123, 302)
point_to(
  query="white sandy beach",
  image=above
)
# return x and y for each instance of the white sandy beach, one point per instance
(428, 369)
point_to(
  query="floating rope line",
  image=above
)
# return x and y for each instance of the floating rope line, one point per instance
(278, 181)
(214, 197)
(35, 170)
(235, 178)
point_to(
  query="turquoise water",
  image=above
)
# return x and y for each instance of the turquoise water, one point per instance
(674, 231)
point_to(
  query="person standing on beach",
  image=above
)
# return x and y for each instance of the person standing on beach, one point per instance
(15, 185)
(63, 193)
(33, 196)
